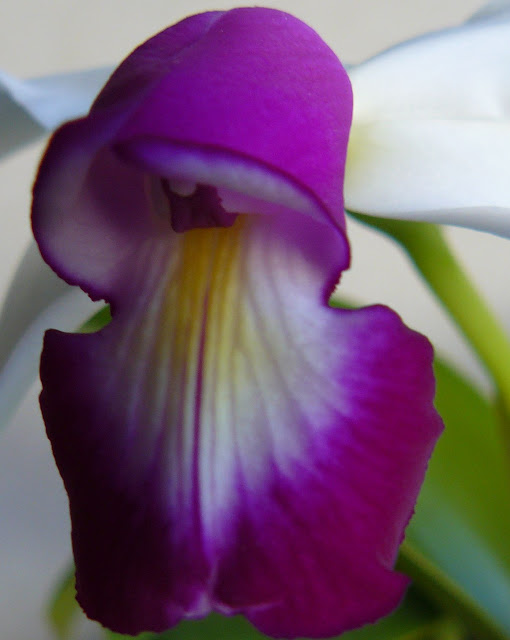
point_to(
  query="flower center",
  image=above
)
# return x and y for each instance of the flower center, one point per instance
(189, 206)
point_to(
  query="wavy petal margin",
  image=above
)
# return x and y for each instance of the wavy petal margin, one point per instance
(230, 443)
(431, 133)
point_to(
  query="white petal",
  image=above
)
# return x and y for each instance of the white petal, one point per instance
(36, 300)
(431, 130)
(28, 108)
(451, 172)
(493, 10)
(456, 73)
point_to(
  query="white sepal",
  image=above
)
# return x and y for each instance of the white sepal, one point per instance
(431, 130)
(37, 300)
(29, 108)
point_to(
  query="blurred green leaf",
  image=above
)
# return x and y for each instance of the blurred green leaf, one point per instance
(63, 606)
(97, 321)
(462, 520)
(442, 629)
(460, 611)
(470, 462)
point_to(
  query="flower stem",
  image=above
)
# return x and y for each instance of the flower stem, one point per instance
(427, 247)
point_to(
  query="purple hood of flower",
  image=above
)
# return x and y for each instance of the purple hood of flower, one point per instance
(229, 442)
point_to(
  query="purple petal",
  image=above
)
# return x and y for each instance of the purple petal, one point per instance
(221, 99)
(245, 88)
(90, 211)
(231, 443)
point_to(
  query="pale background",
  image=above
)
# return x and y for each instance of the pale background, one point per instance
(45, 36)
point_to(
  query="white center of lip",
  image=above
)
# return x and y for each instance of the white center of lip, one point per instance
(182, 188)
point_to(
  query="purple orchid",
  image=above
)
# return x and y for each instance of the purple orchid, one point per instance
(228, 442)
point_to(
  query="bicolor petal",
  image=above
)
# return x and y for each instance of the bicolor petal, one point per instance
(431, 132)
(231, 443)
(228, 442)
(226, 131)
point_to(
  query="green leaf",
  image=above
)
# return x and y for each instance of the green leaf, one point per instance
(97, 321)
(463, 612)
(63, 607)
(442, 629)
(462, 520)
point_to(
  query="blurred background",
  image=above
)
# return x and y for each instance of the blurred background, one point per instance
(39, 37)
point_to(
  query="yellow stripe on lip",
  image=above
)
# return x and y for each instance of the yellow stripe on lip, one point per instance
(181, 343)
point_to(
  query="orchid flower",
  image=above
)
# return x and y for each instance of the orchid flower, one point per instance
(395, 143)
(229, 442)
